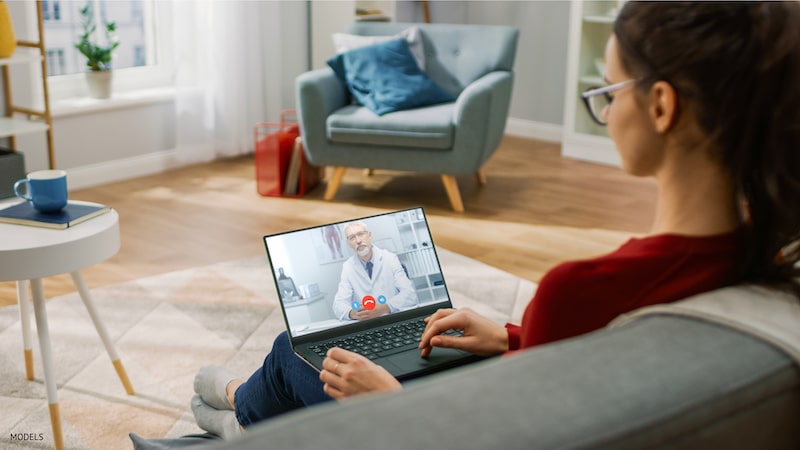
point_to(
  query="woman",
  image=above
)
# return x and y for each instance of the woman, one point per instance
(705, 98)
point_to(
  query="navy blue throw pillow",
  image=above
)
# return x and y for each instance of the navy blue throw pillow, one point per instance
(384, 77)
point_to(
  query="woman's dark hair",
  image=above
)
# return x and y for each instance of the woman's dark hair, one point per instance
(737, 65)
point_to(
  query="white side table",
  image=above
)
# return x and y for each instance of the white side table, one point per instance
(28, 254)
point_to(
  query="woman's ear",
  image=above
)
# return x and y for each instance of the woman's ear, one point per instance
(663, 106)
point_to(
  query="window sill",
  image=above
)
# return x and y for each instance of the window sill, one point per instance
(84, 105)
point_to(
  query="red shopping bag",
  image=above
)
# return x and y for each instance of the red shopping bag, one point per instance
(274, 144)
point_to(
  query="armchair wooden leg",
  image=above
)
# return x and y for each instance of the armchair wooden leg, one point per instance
(451, 186)
(481, 177)
(334, 182)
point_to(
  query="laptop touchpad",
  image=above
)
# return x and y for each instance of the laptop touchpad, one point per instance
(412, 360)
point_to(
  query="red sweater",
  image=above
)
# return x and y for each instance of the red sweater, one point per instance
(582, 296)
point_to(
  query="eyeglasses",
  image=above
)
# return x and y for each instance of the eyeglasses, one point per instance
(597, 99)
(357, 235)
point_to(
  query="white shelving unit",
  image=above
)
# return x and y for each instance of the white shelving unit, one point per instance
(591, 24)
(23, 120)
(375, 10)
(419, 258)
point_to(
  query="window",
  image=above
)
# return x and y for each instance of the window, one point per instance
(139, 61)
(56, 64)
(139, 55)
(63, 26)
(51, 10)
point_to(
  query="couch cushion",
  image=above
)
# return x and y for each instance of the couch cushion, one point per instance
(429, 127)
(385, 78)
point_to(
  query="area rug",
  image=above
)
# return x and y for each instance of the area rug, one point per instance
(165, 328)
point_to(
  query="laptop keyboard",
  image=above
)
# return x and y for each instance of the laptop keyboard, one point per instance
(382, 342)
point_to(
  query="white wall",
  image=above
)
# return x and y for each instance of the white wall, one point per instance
(327, 17)
(138, 138)
(117, 138)
(541, 63)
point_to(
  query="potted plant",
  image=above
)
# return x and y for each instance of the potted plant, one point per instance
(98, 57)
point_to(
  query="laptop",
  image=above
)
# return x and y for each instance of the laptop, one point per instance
(331, 297)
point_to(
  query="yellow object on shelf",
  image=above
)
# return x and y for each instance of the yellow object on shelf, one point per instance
(8, 43)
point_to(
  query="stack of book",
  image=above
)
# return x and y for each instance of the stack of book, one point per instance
(74, 213)
(291, 183)
(300, 174)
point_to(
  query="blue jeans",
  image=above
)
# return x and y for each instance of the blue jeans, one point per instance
(282, 384)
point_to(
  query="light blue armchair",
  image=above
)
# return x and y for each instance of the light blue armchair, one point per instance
(472, 62)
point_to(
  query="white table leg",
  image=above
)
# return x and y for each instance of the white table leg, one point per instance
(40, 312)
(83, 290)
(24, 320)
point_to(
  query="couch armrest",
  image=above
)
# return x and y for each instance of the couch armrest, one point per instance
(480, 114)
(319, 93)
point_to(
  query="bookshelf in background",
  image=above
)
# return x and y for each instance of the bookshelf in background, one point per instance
(419, 258)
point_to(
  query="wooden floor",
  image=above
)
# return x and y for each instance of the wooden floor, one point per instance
(536, 210)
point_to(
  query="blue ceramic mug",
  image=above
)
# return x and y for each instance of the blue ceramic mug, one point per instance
(46, 190)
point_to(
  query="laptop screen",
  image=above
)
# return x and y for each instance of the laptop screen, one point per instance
(348, 272)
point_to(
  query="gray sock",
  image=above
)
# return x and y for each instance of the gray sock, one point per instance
(220, 422)
(211, 384)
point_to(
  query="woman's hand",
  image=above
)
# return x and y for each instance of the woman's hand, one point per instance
(481, 335)
(346, 374)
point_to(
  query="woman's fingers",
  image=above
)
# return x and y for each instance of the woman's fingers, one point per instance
(480, 336)
(437, 324)
(346, 373)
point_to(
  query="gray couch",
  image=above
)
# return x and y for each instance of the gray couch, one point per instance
(660, 381)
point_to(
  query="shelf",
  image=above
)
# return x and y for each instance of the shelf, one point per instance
(12, 126)
(599, 19)
(592, 80)
(21, 119)
(418, 256)
(373, 18)
(20, 58)
(590, 148)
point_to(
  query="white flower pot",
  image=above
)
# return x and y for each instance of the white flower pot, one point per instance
(99, 83)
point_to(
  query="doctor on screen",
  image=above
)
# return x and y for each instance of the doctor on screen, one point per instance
(373, 282)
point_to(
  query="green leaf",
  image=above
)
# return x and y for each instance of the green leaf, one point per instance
(98, 57)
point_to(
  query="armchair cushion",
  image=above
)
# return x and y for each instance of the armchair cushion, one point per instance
(429, 128)
(385, 77)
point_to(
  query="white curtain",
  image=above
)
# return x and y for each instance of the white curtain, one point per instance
(228, 74)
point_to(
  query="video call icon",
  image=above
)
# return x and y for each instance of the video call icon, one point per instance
(368, 302)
